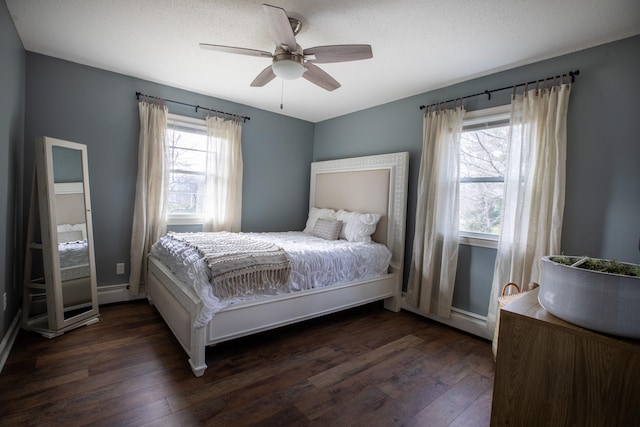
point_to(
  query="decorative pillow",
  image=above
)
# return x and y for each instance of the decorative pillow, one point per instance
(327, 229)
(314, 214)
(69, 236)
(357, 227)
(71, 232)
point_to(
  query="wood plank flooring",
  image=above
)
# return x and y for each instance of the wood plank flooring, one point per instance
(362, 367)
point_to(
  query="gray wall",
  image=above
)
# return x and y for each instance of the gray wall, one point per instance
(602, 212)
(98, 108)
(12, 88)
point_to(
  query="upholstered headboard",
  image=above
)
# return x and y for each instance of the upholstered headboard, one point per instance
(69, 203)
(371, 184)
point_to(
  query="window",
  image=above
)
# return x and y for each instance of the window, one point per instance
(188, 157)
(483, 157)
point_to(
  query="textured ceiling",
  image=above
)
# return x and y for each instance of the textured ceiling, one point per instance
(418, 45)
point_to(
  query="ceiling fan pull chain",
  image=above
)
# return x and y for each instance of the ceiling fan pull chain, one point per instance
(281, 94)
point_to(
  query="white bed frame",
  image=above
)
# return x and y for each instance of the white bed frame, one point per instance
(372, 184)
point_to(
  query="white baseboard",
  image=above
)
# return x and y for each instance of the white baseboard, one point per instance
(460, 319)
(117, 293)
(7, 341)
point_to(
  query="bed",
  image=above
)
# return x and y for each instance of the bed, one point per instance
(75, 272)
(73, 250)
(72, 230)
(372, 184)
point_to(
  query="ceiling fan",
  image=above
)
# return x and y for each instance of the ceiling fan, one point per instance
(290, 61)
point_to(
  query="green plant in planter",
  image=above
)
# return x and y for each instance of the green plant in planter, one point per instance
(597, 294)
(601, 265)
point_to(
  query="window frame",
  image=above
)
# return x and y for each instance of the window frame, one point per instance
(200, 125)
(473, 118)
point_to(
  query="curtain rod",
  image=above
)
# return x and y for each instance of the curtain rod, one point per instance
(571, 74)
(244, 118)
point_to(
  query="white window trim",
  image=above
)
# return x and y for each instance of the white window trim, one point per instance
(478, 239)
(199, 125)
(184, 219)
(192, 122)
(498, 113)
(486, 115)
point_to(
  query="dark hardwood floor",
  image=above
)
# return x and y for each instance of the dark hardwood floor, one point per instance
(363, 367)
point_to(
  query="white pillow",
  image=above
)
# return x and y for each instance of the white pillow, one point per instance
(356, 226)
(314, 214)
(72, 232)
(327, 229)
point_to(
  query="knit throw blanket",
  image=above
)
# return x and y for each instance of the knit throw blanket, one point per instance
(240, 265)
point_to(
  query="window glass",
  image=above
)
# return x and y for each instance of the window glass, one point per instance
(483, 157)
(187, 158)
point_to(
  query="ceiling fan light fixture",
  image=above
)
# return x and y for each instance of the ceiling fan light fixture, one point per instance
(288, 69)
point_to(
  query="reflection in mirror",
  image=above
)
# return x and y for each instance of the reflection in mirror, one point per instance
(71, 225)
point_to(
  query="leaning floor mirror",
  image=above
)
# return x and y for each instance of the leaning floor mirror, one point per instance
(60, 290)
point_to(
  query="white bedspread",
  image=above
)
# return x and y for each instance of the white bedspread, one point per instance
(74, 260)
(315, 263)
(73, 253)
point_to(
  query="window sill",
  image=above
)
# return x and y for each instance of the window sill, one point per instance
(185, 221)
(483, 242)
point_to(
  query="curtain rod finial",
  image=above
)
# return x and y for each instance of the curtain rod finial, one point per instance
(573, 75)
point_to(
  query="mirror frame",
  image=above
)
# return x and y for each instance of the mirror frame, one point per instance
(49, 233)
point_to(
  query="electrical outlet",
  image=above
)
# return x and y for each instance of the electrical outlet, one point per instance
(120, 268)
(4, 302)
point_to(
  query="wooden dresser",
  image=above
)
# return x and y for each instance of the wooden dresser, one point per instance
(552, 373)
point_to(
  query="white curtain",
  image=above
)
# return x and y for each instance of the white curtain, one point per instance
(149, 219)
(534, 188)
(435, 244)
(223, 205)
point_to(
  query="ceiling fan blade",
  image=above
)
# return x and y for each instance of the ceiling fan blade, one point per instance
(236, 50)
(338, 53)
(279, 27)
(264, 77)
(319, 77)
